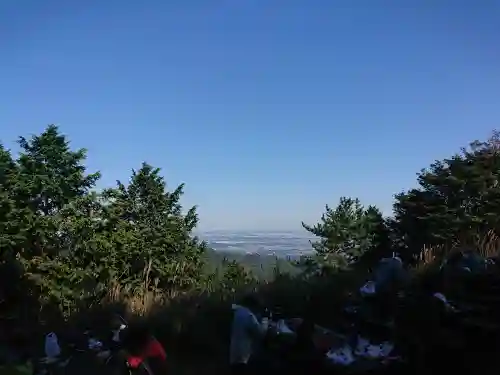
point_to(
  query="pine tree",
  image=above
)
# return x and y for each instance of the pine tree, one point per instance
(13, 230)
(51, 176)
(457, 198)
(158, 232)
(347, 232)
(54, 174)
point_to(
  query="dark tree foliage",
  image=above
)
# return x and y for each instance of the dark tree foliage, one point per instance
(73, 242)
(13, 228)
(235, 276)
(53, 174)
(158, 232)
(50, 176)
(348, 234)
(457, 199)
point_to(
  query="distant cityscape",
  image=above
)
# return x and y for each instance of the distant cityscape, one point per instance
(279, 243)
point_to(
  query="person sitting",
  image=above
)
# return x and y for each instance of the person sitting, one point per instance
(390, 274)
(390, 277)
(246, 331)
(145, 354)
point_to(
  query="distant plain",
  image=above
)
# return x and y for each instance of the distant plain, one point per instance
(277, 243)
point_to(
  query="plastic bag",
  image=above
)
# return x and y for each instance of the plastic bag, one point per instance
(94, 344)
(283, 328)
(52, 348)
(368, 289)
(342, 356)
(366, 349)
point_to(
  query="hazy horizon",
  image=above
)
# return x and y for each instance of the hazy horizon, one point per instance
(282, 243)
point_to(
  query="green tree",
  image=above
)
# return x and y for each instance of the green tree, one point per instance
(235, 276)
(346, 233)
(158, 235)
(35, 189)
(380, 234)
(51, 175)
(13, 229)
(457, 198)
(67, 244)
(54, 173)
(50, 189)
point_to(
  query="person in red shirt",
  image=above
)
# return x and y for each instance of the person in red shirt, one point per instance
(145, 354)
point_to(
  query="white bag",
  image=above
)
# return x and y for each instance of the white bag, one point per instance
(368, 289)
(366, 349)
(94, 344)
(52, 348)
(362, 346)
(342, 356)
(283, 328)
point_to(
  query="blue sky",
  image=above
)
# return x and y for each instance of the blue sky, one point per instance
(267, 110)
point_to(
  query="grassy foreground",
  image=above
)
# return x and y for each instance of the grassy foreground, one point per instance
(195, 326)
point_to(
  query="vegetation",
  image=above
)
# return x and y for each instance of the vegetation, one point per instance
(262, 267)
(457, 200)
(73, 243)
(67, 248)
(348, 234)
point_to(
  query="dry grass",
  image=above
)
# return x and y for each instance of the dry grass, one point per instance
(487, 245)
(194, 313)
(139, 301)
(195, 326)
(179, 312)
(429, 257)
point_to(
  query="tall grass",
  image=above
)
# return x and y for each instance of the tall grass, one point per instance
(195, 324)
(203, 313)
(487, 245)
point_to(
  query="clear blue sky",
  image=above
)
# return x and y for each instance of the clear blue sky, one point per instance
(267, 110)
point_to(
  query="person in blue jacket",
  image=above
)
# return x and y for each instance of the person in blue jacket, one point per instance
(246, 333)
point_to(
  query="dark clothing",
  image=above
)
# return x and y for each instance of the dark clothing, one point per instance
(240, 369)
(307, 360)
(390, 275)
(304, 357)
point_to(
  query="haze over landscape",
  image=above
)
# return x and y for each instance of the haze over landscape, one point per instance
(283, 243)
